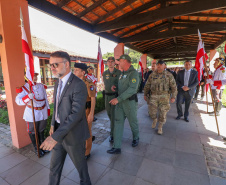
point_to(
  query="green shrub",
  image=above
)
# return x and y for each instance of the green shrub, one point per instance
(100, 103)
(224, 98)
(4, 118)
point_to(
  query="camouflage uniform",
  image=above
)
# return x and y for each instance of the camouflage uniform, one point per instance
(158, 88)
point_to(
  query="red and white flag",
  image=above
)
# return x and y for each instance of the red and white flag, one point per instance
(141, 68)
(225, 48)
(100, 59)
(29, 62)
(199, 62)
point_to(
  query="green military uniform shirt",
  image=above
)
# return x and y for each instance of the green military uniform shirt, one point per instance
(128, 84)
(111, 79)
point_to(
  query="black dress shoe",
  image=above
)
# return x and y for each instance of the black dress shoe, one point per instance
(135, 142)
(87, 156)
(178, 117)
(94, 119)
(186, 119)
(93, 138)
(111, 139)
(114, 151)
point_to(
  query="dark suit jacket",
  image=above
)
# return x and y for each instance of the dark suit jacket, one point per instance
(192, 83)
(73, 127)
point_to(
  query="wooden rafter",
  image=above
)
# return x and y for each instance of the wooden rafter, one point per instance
(163, 13)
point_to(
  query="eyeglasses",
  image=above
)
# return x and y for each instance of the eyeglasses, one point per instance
(55, 65)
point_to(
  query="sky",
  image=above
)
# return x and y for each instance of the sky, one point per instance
(66, 36)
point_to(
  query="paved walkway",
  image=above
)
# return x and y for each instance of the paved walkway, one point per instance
(186, 154)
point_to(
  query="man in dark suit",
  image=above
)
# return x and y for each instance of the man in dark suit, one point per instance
(187, 80)
(69, 128)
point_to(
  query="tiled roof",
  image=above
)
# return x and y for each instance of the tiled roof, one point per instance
(41, 46)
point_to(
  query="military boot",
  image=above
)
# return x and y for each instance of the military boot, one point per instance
(33, 140)
(218, 106)
(154, 123)
(160, 128)
(42, 139)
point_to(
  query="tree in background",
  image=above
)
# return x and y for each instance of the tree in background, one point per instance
(135, 57)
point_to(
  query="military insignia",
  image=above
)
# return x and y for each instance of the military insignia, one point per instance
(114, 75)
(134, 80)
(223, 71)
(91, 87)
(124, 76)
(107, 76)
(120, 77)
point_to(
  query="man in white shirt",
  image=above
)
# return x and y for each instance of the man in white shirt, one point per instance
(41, 110)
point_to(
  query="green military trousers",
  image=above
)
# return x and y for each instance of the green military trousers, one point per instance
(161, 103)
(125, 109)
(110, 111)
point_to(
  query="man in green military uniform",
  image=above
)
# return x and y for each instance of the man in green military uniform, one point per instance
(159, 89)
(110, 78)
(126, 103)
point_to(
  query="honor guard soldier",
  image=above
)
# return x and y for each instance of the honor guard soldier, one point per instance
(80, 71)
(217, 86)
(41, 110)
(126, 103)
(157, 91)
(110, 78)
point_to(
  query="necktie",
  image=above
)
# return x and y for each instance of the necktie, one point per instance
(57, 101)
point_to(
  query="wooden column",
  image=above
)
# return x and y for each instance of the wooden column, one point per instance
(118, 51)
(213, 55)
(13, 64)
(144, 61)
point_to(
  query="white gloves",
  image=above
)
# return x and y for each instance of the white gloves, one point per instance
(31, 96)
(209, 81)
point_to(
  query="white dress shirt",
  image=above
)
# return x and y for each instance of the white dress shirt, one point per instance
(186, 77)
(64, 81)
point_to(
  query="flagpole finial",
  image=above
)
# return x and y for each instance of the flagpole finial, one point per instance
(21, 18)
(199, 34)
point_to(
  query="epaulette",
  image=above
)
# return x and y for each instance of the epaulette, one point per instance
(88, 80)
(19, 89)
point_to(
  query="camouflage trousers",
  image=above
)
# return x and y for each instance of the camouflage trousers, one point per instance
(161, 103)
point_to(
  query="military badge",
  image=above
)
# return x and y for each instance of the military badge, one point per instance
(114, 75)
(134, 80)
(91, 87)
(223, 71)
(107, 76)
(120, 77)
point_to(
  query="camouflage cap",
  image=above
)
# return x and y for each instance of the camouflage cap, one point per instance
(161, 62)
(111, 58)
(126, 57)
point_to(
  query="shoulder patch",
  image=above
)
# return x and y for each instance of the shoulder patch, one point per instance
(134, 80)
(91, 87)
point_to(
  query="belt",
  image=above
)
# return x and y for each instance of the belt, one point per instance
(159, 93)
(111, 94)
(37, 108)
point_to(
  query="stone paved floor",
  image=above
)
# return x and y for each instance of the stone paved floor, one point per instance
(186, 154)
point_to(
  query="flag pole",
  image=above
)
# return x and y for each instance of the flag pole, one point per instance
(33, 114)
(199, 34)
(32, 104)
(211, 96)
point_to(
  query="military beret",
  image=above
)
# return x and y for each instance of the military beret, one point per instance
(126, 57)
(81, 66)
(161, 62)
(111, 58)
